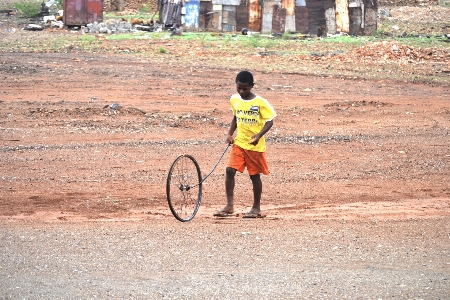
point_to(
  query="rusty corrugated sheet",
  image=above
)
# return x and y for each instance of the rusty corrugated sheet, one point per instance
(278, 19)
(316, 15)
(330, 16)
(254, 15)
(289, 5)
(74, 13)
(301, 19)
(94, 11)
(242, 15)
(355, 20)
(82, 12)
(170, 12)
(216, 18)
(342, 17)
(370, 17)
(206, 14)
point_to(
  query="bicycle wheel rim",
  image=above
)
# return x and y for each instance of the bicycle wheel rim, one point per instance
(184, 188)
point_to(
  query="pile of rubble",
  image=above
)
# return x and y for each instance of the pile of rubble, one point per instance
(109, 27)
(413, 21)
(429, 14)
(119, 26)
(393, 51)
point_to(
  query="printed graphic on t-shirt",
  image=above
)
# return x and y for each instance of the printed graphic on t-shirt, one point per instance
(249, 117)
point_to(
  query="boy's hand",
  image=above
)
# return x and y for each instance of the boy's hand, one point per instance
(254, 140)
(229, 139)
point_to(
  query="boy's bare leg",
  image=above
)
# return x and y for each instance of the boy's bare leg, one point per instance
(257, 191)
(229, 188)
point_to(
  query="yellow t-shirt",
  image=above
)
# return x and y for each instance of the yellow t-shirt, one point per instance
(251, 116)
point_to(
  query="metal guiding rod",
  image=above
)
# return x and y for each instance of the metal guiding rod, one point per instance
(187, 187)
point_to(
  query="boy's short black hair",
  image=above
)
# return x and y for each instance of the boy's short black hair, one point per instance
(245, 77)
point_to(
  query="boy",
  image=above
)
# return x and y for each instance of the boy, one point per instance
(252, 117)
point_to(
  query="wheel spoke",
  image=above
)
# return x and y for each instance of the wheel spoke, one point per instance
(184, 188)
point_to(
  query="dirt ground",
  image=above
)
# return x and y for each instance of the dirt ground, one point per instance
(339, 148)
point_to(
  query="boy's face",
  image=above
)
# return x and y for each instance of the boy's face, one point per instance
(243, 89)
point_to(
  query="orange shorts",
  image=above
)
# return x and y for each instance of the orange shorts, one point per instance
(255, 162)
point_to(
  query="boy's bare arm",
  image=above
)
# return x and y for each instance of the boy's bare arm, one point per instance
(231, 130)
(255, 139)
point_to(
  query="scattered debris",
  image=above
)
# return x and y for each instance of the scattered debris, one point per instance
(358, 103)
(176, 30)
(384, 13)
(137, 22)
(116, 106)
(6, 11)
(59, 24)
(322, 31)
(48, 19)
(120, 26)
(33, 27)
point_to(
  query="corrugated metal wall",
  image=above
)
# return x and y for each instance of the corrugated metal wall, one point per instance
(191, 18)
(278, 16)
(342, 17)
(82, 12)
(242, 15)
(254, 15)
(355, 20)
(301, 19)
(330, 16)
(370, 17)
(229, 18)
(278, 19)
(289, 5)
(206, 15)
(316, 15)
(170, 12)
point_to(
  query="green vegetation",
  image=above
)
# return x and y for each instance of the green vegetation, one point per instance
(144, 15)
(126, 36)
(346, 39)
(28, 9)
(87, 39)
(229, 41)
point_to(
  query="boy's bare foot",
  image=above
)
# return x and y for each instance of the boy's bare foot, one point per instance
(224, 212)
(254, 214)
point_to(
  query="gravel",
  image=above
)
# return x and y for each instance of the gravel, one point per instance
(227, 259)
